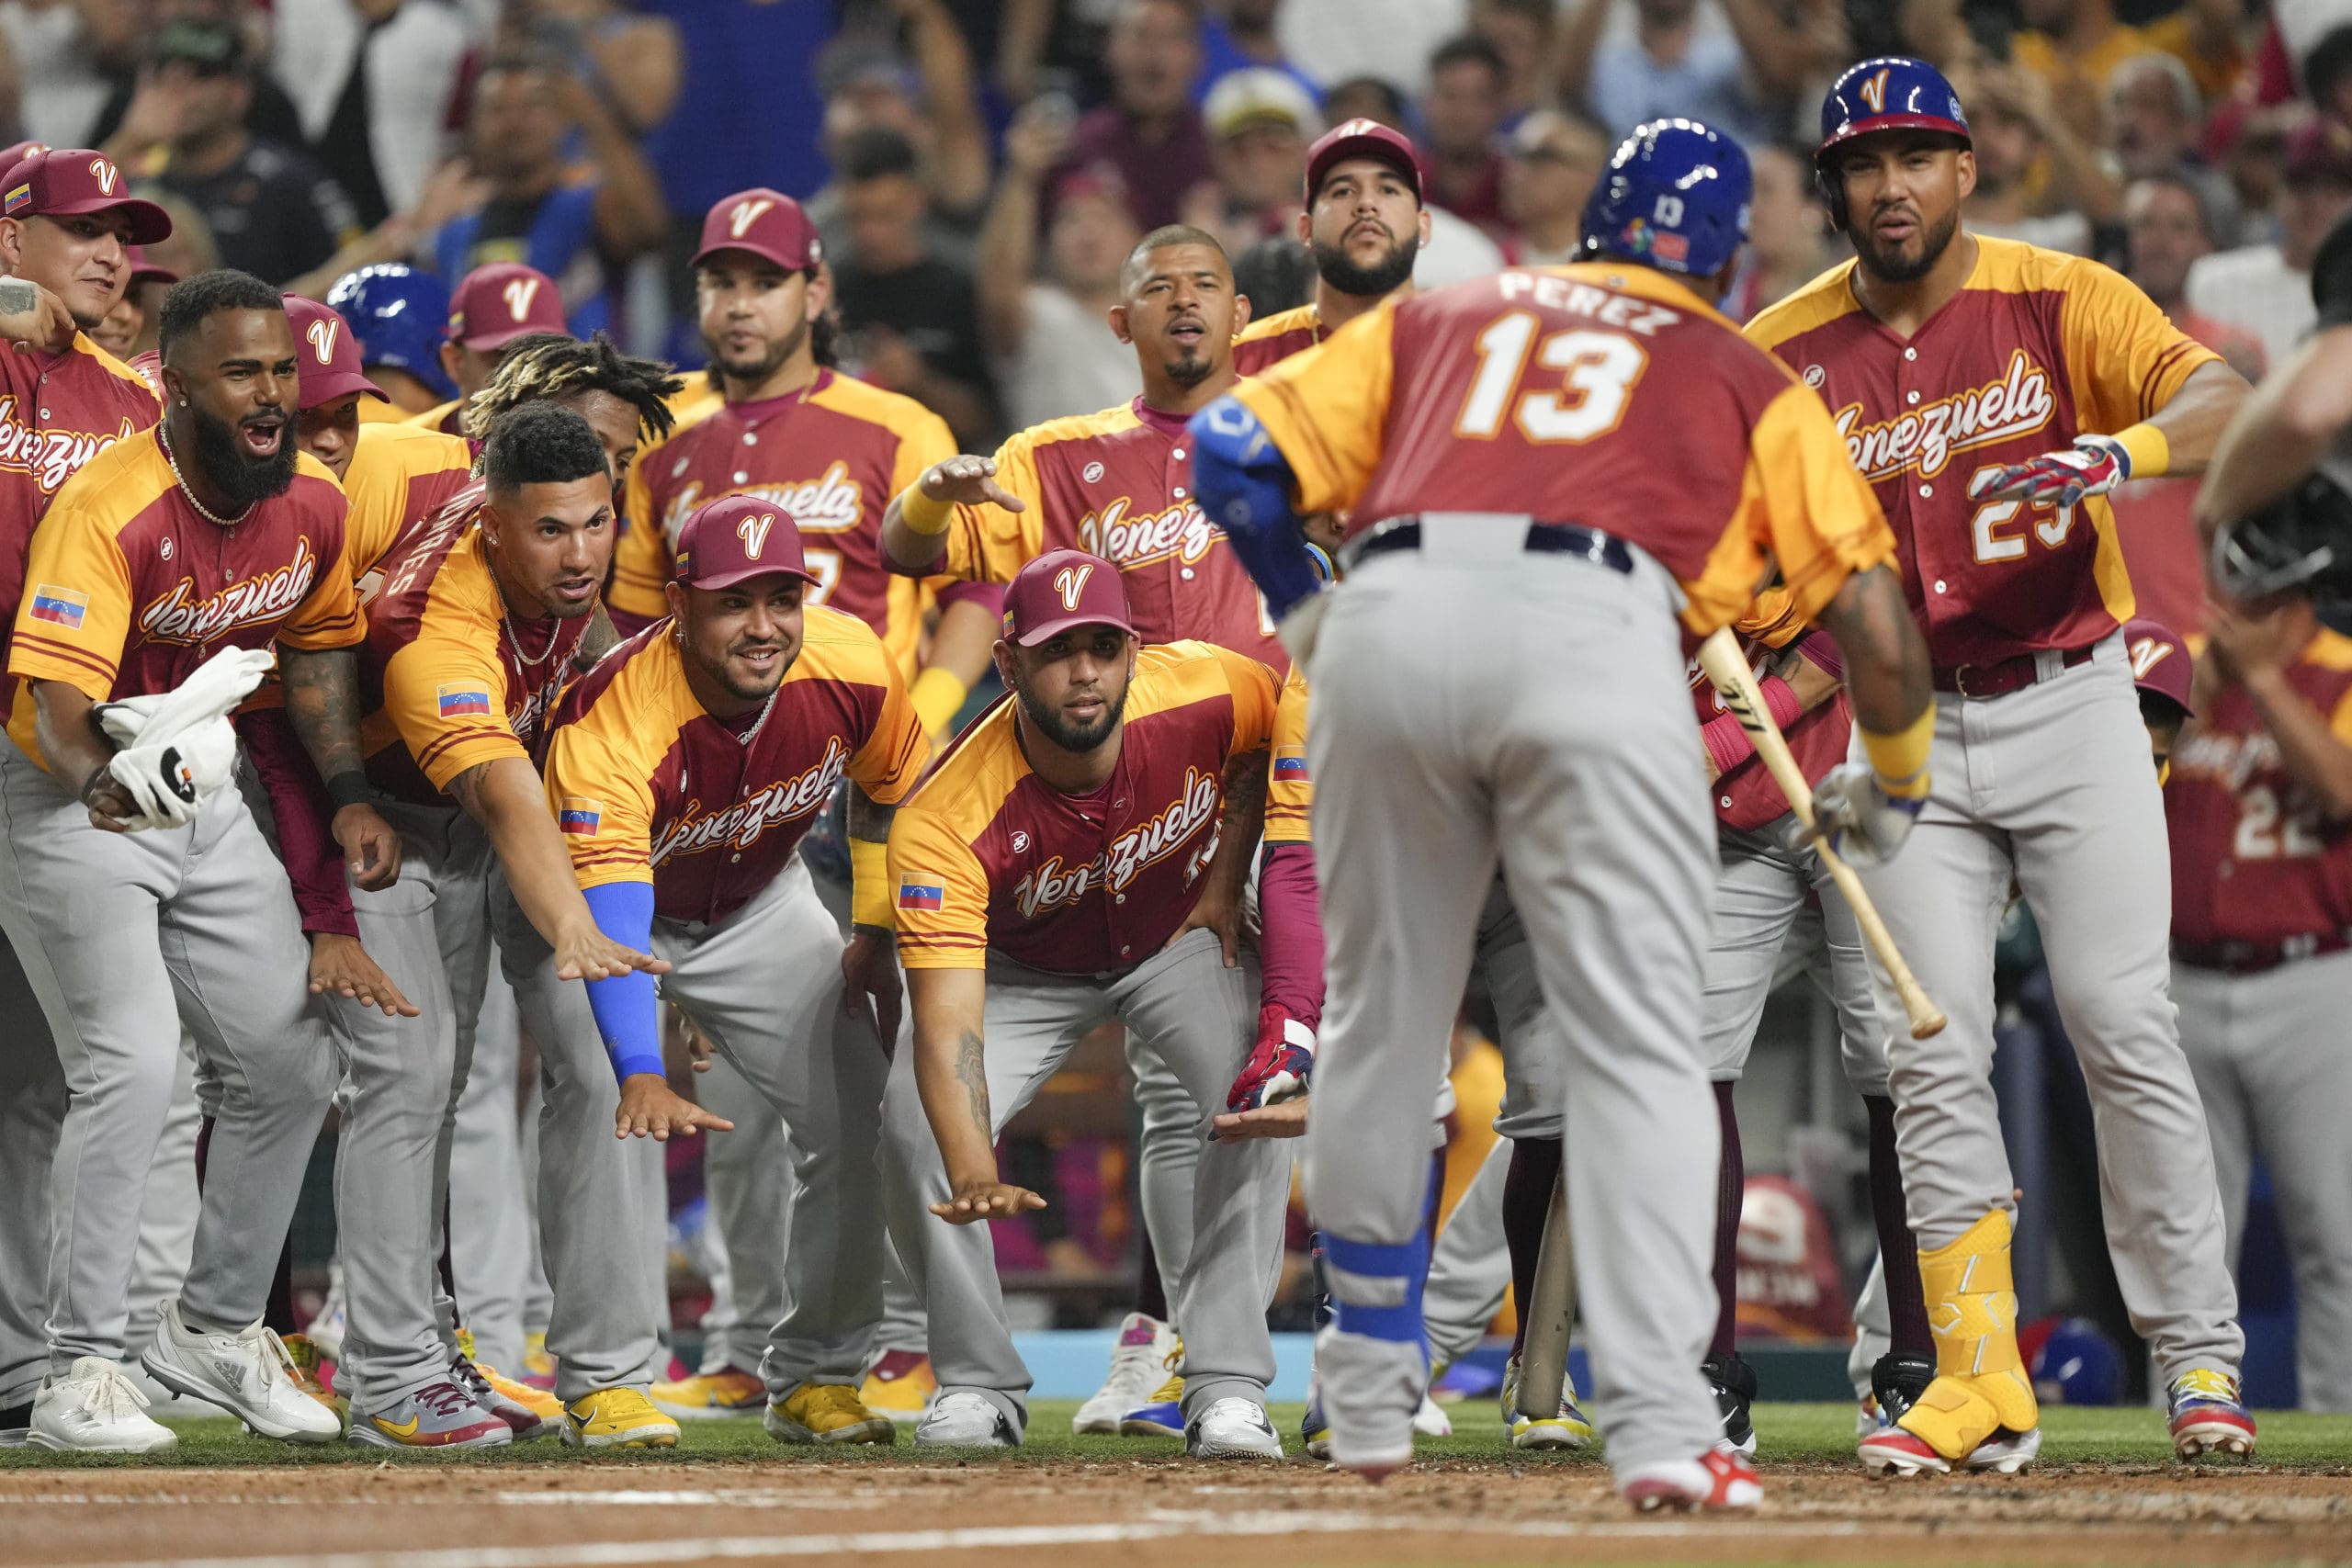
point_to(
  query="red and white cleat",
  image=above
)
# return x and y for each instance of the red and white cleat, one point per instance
(2207, 1416)
(1893, 1451)
(1719, 1479)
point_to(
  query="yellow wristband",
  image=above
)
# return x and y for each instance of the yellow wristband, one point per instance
(870, 886)
(1901, 760)
(938, 696)
(921, 514)
(2151, 452)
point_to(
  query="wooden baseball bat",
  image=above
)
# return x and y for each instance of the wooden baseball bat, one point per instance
(1721, 659)
(1544, 1359)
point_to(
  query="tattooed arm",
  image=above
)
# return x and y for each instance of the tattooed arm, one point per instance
(951, 1072)
(1218, 908)
(506, 797)
(599, 639)
(323, 704)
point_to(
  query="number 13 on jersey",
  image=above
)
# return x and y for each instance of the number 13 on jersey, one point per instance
(1596, 374)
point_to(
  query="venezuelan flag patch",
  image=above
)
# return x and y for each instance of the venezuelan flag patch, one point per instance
(579, 817)
(60, 606)
(1290, 764)
(914, 893)
(461, 698)
(19, 197)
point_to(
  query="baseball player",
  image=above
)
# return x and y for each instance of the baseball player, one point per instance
(1459, 429)
(61, 401)
(2260, 792)
(399, 313)
(1065, 864)
(211, 533)
(684, 772)
(1993, 393)
(128, 330)
(492, 306)
(1364, 223)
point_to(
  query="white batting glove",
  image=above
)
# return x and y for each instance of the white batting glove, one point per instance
(1865, 826)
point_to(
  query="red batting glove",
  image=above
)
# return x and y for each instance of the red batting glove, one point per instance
(1278, 1065)
(2092, 466)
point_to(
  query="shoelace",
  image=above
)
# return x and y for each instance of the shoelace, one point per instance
(2204, 1383)
(445, 1399)
(116, 1398)
(276, 1364)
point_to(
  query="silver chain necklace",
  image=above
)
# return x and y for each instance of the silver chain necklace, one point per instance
(164, 441)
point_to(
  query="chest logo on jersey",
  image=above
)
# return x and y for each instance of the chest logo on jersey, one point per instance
(833, 502)
(51, 457)
(180, 616)
(1053, 885)
(1925, 439)
(2236, 760)
(741, 824)
(1181, 533)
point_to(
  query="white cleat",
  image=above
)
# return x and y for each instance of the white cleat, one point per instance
(1232, 1428)
(94, 1409)
(963, 1419)
(327, 1329)
(1146, 1352)
(1719, 1481)
(247, 1373)
(1431, 1421)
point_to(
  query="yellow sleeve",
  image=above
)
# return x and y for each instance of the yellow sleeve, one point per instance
(942, 894)
(1325, 409)
(76, 614)
(1290, 789)
(894, 756)
(1769, 620)
(922, 441)
(1802, 507)
(987, 543)
(1256, 695)
(603, 807)
(641, 558)
(2125, 357)
(2340, 721)
(447, 699)
(329, 617)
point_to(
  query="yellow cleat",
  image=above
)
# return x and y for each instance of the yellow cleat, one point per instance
(711, 1396)
(901, 1385)
(826, 1413)
(617, 1418)
(1981, 1389)
(539, 1367)
(305, 1357)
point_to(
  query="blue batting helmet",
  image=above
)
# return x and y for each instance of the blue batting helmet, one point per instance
(398, 313)
(1894, 92)
(2077, 1364)
(1674, 197)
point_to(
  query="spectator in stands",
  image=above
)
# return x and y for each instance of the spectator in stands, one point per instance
(2036, 180)
(1521, 32)
(1393, 41)
(1732, 63)
(1149, 132)
(2266, 289)
(2167, 229)
(1237, 34)
(1464, 112)
(376, 84)
(1788, 232)
(2155, 124)
(927, 95)
(1260, 124)
(1550, 165)
(913, 318)
(1049, 337)
(630, 59)
(2076, 46)
(68, 55)
(1368, 97)
(570, 224)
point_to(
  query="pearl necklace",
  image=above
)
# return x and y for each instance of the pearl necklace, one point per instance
(179, 479)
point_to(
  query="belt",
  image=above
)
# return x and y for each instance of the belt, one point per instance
(2002, 676)
(2254, 957)
(1542, 538)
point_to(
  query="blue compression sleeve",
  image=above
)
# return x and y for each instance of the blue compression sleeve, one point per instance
(1244, 484)
(627, 1009)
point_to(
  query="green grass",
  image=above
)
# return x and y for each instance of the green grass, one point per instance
(1798, 1434)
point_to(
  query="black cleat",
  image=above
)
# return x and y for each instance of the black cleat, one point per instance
(1897, 1382)
(1734, 1384)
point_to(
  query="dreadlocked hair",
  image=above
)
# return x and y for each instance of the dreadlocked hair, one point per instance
(542, 366)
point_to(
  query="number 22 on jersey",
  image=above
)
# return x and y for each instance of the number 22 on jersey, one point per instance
(1598, 371)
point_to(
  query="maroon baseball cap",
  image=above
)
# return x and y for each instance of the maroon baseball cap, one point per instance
(145, 271)
(736, 539)
(327, 352)
(1062, 588)
(19, 153)
(498, 303)
(2161, 662)
(67, 182)
(763, 222)
(1362, 138)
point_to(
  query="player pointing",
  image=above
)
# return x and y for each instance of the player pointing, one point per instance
(1993, 393)
(1540, 468)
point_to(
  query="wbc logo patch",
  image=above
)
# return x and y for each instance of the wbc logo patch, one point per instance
(914, 893)
(579, 817)
(60, 606)
(462, 699)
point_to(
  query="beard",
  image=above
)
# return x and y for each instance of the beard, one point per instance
(768, 363)
(1189, 371)
(1059, 731)
(244, 481)
(1384, 276)
(1934, 239)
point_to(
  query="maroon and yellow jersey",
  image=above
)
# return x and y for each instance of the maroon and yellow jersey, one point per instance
(447, 684)
(985, 856)
(649, 787)
(2037, 348)
(57, 411)
(1118, 484)
(1290, 787)
(1277, 337)
(400, 475)
(128, 588)
(831, 457)
(1599, 394)
(2253, 860)
(446, 419)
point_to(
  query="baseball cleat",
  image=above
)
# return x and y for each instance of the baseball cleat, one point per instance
(1232, 1428)
(439, 1416)
(1314, 1427)
(1896, 1383)
(1734, 1381)
(530, 1412)
(1147, 1350)
(307, 1376)
(539, 1367)
(2207, 1416)
(617, 1418)
(15, 1424)
(247, 1373)
(1570, 1429)
(94, 1408)
(826, 1413)
(1161, 1413)
(1891, 1451)
(962, 1419)
(1431, 1421)
(1718, 1480)
(711, 1396)
(327, 1329)
(900, 1385)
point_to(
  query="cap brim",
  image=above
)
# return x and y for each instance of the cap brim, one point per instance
(327, 386)
(745, 575)
(500, 336)
(149, 225)
(1878, 124)
(153, 275)
(762, 252)
(1054, 628)
(1373, 147)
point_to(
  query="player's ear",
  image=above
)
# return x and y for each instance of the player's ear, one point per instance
(1240, 312)
(11, 243)
(1305, 227)
(174, 387)
(1967, 159)
(1119, 322)
(674, 596)
(820, 292)
(1421, 223)
(1003, 654)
